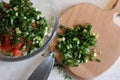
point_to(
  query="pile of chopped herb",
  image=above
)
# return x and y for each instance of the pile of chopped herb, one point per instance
(22, 28)
(75, 44)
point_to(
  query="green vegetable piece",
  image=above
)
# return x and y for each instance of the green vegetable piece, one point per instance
(92, 57)
(67, 77)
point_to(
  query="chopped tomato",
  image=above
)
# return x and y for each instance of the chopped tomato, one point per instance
(29, 43)
(7, 5)
(19, 46)
(17, 53)
(0, 49)
(35, 24)
(6, 44)
(16, 50)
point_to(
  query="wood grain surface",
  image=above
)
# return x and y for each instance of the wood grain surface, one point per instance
(111, 4)
(108, 41)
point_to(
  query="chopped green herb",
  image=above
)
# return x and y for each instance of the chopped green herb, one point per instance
(92, 57)
(74, 44)
(67, 77)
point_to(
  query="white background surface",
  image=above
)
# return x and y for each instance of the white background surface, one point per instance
(22, 69)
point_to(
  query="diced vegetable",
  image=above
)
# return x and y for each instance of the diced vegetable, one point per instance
(17, 53)
(19, 46)
(74, 44)
(6, 44)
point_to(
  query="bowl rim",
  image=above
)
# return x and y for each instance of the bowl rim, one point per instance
(47, 43)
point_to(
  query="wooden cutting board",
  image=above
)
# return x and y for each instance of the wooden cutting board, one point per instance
(108, 41)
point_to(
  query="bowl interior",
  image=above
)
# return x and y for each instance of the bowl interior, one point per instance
(49, 11)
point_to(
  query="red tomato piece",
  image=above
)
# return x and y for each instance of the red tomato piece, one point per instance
(7, 6)
(19, 46)
(35, 24)
(0, 49)
(29, 43)
(6, 45)
(17, 53)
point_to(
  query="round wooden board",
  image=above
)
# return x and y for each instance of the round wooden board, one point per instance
(108, 41)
